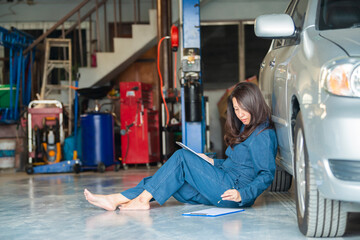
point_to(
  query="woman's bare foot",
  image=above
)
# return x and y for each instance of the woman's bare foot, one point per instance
(141, 202)
(107, 202)
(135, 204)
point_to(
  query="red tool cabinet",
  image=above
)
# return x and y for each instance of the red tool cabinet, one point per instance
(140, 139)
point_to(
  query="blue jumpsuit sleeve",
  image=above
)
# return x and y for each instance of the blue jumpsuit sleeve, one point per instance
(262, 151)
(218, 162)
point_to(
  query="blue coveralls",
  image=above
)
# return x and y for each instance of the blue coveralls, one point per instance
(249, 168)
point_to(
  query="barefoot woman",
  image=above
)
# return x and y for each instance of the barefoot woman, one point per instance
(237, 180)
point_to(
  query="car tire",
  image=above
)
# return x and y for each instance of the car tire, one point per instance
(282, 181)
(29, 169)
(317, 216)
(101, 167)
(77, 168)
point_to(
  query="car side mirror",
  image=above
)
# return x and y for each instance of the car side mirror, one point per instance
(275, 26)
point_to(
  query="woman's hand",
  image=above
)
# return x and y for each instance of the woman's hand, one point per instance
(206, 157)
(231, 195)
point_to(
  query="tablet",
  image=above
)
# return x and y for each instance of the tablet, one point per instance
(189, 149)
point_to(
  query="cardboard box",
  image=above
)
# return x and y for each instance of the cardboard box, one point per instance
(222, 104)
(252, 79)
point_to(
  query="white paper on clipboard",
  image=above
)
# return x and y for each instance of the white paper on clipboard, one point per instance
(213, 212)
(189, 149)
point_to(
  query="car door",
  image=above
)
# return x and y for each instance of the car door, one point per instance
(272, 82)
(280, 106)
(267, 67)
(283, 75)
(266, 73)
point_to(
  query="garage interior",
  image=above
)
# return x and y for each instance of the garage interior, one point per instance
(66, 82)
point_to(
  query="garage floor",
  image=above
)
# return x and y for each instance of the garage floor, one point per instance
(52, 206)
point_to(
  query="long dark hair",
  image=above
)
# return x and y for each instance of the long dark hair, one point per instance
(249, 98)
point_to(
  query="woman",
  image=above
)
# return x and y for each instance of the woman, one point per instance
(233, 182)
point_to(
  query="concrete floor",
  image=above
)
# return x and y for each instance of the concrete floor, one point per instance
(52, 206)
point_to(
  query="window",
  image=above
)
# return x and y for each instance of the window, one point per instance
(290, 7)
(299, 14)
(219, 55)
(298, 17)
(278, 43)
(336, 14)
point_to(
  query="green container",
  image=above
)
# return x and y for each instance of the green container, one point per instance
(5, 95)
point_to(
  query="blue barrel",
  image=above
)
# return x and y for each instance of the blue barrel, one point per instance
(97, 135)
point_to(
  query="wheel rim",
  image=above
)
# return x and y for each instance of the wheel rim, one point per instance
(300, 172)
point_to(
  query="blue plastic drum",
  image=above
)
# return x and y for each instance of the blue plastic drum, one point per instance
(97, 135)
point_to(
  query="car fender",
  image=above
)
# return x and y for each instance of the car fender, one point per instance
(306, 92)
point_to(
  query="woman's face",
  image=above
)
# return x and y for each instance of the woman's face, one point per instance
(241, 114)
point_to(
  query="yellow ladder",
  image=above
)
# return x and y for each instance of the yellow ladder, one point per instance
(49, 65)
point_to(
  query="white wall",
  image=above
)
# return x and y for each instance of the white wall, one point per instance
(240, 9)
(53, 10)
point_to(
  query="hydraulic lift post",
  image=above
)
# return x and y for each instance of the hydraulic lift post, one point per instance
(192, 99)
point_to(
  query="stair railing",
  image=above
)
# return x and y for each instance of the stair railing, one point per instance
(98, 4)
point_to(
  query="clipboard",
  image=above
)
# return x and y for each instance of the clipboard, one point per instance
(189, 149)
(213, 212)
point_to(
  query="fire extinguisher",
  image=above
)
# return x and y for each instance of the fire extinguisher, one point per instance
(174, 34)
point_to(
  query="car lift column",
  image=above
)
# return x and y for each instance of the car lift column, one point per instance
(192, 100)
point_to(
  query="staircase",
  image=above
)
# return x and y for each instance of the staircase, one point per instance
(126, 51)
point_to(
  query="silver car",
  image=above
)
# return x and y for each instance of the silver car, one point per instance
(311, 79)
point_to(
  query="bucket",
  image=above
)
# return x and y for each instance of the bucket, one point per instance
(5, 96)
(97, 139)
(7, 153)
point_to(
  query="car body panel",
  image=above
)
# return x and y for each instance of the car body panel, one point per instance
(291, 74)
(347, 41)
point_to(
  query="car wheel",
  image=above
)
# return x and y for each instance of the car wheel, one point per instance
(117, 167)
(317, 216)
(76, 168)
(29, 169)
(101, 167)
(282, 181)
